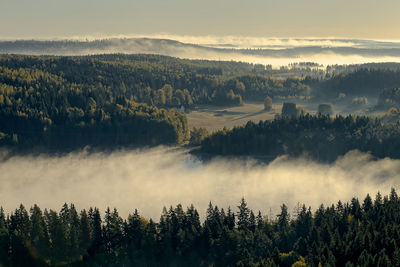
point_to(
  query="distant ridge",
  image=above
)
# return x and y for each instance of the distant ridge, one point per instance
(363, 51)
(173, 47)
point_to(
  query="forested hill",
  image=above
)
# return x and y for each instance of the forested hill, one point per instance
(172, 82)
(365, 233)
(162, 81)
(39, 108)
(112, 100)
(319, 137)
(130, 99)
(369, 81)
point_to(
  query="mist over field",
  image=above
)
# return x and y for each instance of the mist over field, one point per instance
(267, 51)
(149, 179)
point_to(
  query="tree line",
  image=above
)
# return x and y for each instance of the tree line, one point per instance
(319, 137)
(364, 82)
(389, 98)
(365, 233)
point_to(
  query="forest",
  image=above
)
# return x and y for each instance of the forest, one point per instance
(389, 98)
(38, 108)
(112, 101)
(369, 82)
(120, 100)
(318, 137)
(171, 82)
(356, 233)
(157, 80)
(154, 133)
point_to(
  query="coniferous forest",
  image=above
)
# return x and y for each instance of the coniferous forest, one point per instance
(355, 233)
(130, 100)
(320, 138)
(113, 101)
(190, 133)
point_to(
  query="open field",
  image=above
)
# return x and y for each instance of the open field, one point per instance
(217, 117)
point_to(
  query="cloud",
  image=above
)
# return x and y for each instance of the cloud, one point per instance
(152, 178)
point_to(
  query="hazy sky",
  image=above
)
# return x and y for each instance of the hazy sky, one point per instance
(372, 19)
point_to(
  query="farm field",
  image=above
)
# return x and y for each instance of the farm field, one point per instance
(216, 117)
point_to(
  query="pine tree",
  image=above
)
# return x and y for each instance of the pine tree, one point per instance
(97, 235)
(39, 236)
(84, 233)
(367, 205)
(259, 220)
(243, 215)
(283, 218)
(57, 236)
(252, 222)
(74, 233)
(230, 219)
(4, 239)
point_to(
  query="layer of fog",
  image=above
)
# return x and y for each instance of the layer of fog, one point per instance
(153, 178)
(267, 51)
(237, 41)
(276, 62)
(244, 42)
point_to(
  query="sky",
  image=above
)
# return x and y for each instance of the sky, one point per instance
(363, 19)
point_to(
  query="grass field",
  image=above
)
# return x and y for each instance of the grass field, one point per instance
(216, 117)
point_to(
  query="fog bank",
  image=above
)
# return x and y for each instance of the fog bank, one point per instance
(267, 51)
(153, 178)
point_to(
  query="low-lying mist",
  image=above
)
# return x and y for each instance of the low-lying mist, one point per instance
(276, 52)
(152, 178)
